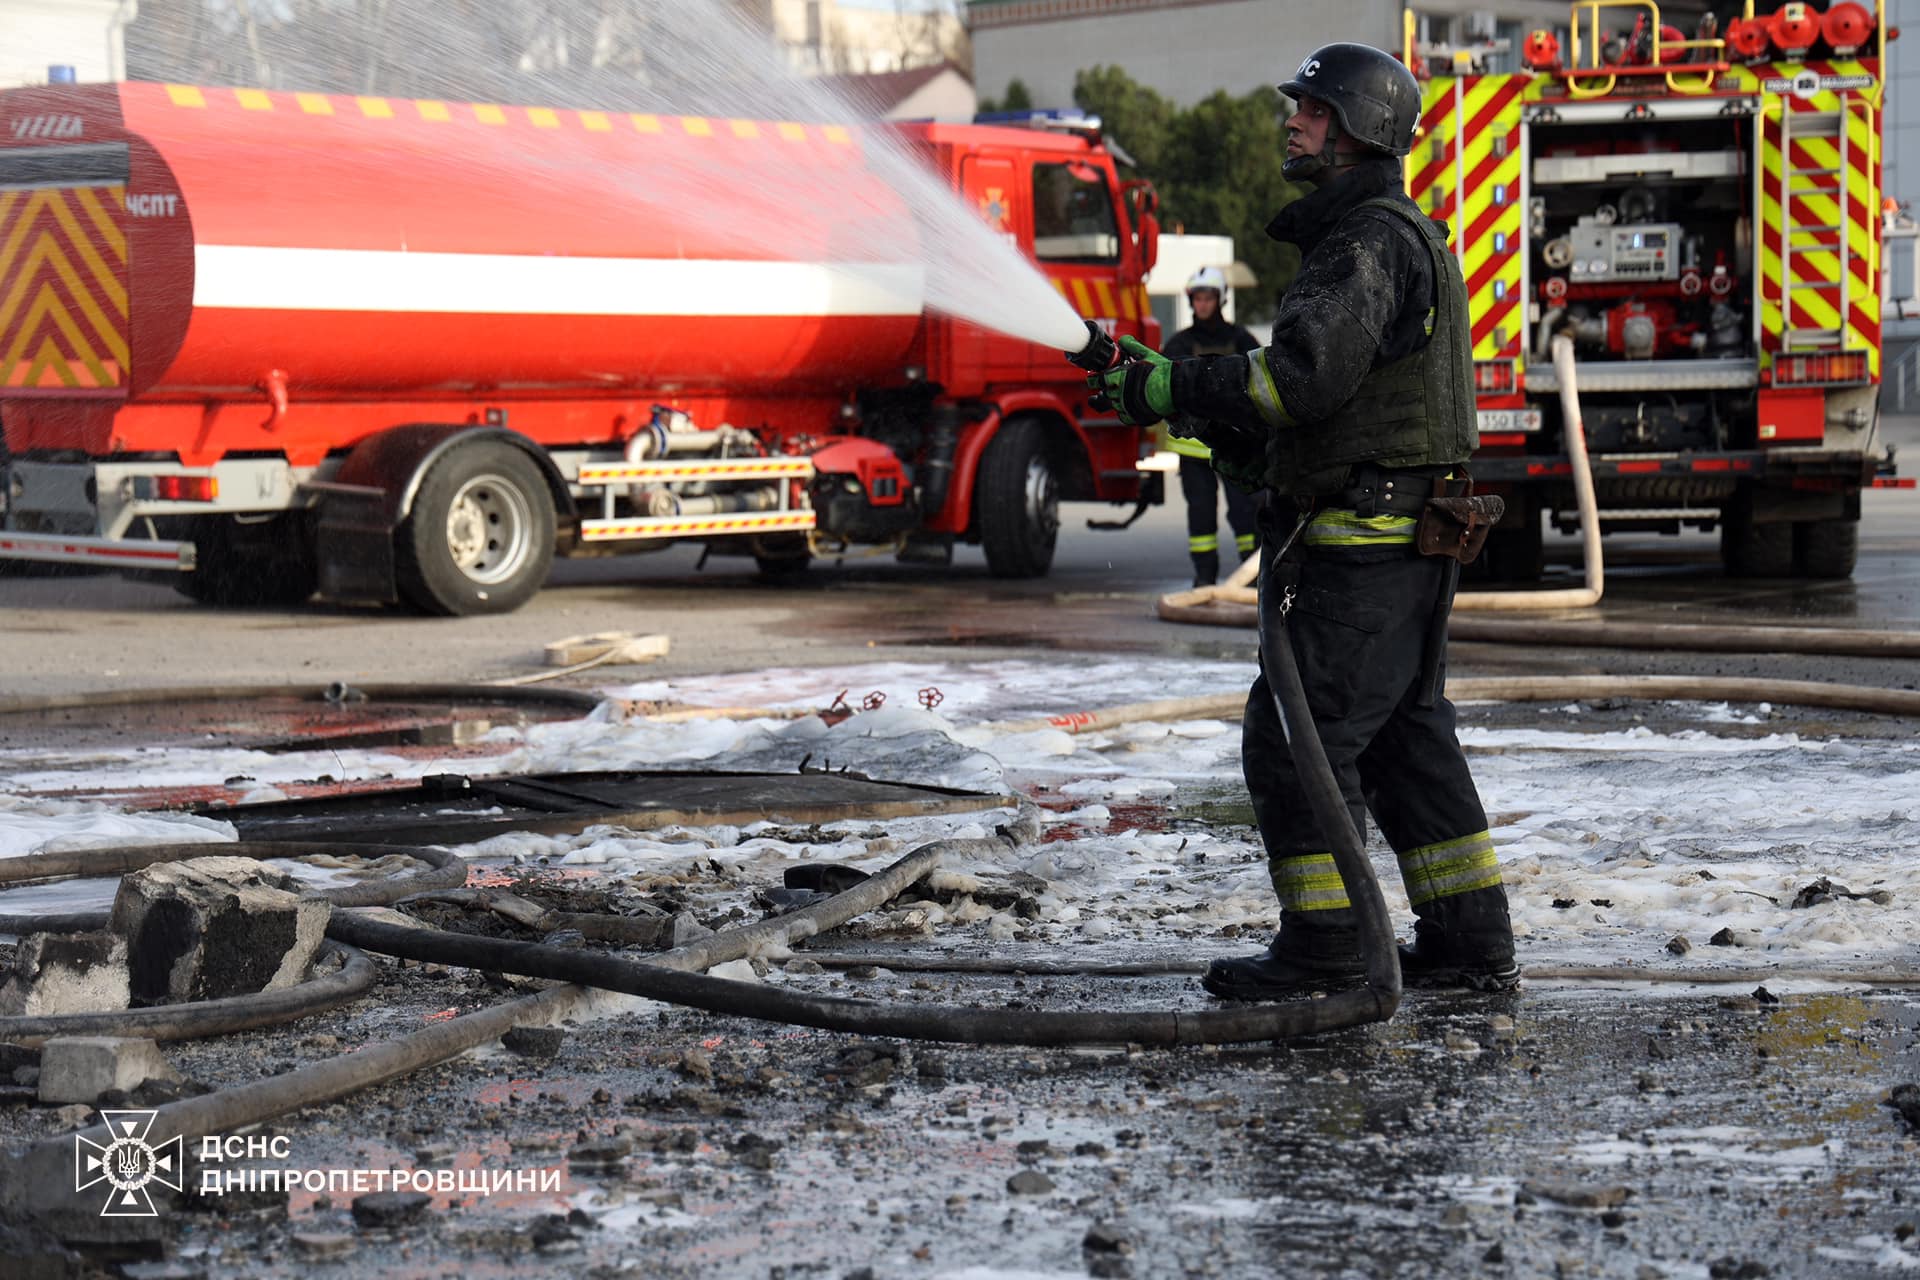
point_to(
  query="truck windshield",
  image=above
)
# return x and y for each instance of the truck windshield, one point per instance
(1073, 217)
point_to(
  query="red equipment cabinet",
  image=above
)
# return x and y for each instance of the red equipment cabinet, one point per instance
(375, 329)
(1702, 218)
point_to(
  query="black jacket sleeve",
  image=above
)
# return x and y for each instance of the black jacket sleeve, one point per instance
(1347, 304)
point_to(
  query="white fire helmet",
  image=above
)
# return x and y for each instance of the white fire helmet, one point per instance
(1209, 278)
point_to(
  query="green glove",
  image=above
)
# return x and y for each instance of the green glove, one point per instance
(1140, 391)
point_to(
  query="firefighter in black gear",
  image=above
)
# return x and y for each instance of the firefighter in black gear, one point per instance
(1361, 408)
(1210, 334)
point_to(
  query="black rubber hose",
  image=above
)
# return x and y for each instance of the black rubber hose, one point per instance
(446, 870)
(1233, 1024)
(1374, 1002)
(35, 1184)
(198, 1019)
(1377, 944)
(923, 962)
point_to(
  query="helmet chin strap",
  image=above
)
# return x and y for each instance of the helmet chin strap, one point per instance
(1321, 164)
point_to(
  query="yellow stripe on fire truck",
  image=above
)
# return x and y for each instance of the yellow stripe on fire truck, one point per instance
(691, 526)
(63, 293)
(699, 469)
(1465, 170)
(489, 113)
(1105, 300)
(1817, 246)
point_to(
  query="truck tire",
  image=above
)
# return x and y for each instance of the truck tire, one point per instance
(783, 562)
(265, 564)
(1016, 501)
(1826, 548)
(1750, 549)
(480, 536)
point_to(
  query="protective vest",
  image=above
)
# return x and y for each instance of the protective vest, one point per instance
(1187, 446)
(1418, 411)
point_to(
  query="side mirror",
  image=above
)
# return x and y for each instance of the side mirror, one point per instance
(1145, 203)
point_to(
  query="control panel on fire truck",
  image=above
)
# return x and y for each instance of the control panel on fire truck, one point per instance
(1633, 251)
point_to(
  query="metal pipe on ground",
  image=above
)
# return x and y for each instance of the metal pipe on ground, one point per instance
(445, 870)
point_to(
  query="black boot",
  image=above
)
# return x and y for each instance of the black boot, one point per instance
(1430, 964)
(1281, 974)
(1206, 568)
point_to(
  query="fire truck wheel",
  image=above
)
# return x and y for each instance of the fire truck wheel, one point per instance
(1751, 549)
(253, 564)
(1017, 501)
(480, 536)
(1826, 548)
(782, 561)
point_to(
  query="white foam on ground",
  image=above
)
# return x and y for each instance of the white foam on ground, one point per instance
(1675, 832)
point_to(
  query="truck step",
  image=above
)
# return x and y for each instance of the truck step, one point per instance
(694, 526)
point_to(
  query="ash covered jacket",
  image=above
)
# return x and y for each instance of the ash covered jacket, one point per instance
(1216, 337)
(1371, 355)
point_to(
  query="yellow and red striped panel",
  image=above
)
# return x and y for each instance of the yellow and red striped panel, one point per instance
(63, 289)
(1465, 170)
(1102, 299)
(692, 526)
(1824, 178)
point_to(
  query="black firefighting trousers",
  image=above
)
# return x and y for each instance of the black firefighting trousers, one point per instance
(1360, 621)
(1201, 488)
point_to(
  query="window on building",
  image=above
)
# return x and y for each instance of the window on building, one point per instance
(1073, 219)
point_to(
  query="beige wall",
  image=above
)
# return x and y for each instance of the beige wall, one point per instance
(865, 41)
(86, 35)
(948, 97)
(1188, 50)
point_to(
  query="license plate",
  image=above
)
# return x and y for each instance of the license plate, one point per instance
(1494, 421)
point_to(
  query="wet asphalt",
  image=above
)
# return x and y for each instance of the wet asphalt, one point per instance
(1564, 1131)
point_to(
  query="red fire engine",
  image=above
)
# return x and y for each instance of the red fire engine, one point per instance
(410, 350)
(1702, 212)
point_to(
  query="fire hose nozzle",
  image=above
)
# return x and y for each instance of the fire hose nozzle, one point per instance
(1099, 355)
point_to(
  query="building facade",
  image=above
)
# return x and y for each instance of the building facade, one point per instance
(87, 35)
(1187, 49)
(822, 37)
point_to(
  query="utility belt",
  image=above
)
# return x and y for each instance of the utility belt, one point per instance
(1451, 520)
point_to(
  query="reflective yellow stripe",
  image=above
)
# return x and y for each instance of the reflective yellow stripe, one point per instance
(1245, 542)
(1450, 868)
(1340, 528)
(1187, 447)
(1265, 395)
(1308, 883)
(1203, 542)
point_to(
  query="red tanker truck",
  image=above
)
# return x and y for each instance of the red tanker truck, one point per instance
(398, 350)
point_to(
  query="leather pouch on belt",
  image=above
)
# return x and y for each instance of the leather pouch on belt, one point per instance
(1458, 527)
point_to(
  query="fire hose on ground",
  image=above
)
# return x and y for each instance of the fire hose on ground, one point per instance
(1373, 1002)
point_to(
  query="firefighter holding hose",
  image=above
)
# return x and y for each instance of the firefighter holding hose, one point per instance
(1356, 419)
(1211, 333)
